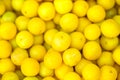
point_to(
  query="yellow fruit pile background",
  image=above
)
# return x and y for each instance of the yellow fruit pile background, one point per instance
(59, 39)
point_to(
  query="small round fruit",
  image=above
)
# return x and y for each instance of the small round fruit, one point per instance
(33, 68)
(10, 76)
(61, 41)
(30, 8)
(106, 4)
(8, 30)
(108, 73)
(52, 59)
(63, 6)
(110, 28)
(91, 72)
(49, 34)
(69, 22)
(92, 50)
(24, 39)
(5, 49)
(46, 11)
(109, 43)
(8, 16)
(105, 59)
(77, 40)
(36, 26)
(37, 52)
(71, 56)
(96, 13)
(80, 8)
(92, 32)
(18, 55)
(21, 22)
(6, 65)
